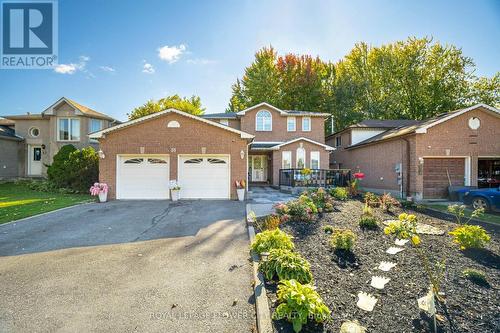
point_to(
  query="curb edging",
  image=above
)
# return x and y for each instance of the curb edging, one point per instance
(263, 314)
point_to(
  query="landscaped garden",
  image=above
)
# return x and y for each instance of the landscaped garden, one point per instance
(333, 261)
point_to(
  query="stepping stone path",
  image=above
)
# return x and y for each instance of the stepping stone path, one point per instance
(422, 228)
(401, 242)
(386, 266)
(366, 301)
(379, 282)
(352, 327)
(394, 250)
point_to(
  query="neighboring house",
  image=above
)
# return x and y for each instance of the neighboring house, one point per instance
(421, 158)
(207, 154)
(284, 139)
(9, 149)
(40, 136)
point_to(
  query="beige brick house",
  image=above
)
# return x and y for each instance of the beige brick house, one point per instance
(36, 138)
(207, 154)
(421, 158)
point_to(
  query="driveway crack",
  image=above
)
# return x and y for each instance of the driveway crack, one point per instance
(158, 218)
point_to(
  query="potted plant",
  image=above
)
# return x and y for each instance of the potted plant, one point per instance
(240, 189)
(101, 190)
(174, 190)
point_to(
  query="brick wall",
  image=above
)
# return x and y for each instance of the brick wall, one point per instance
(157, 138)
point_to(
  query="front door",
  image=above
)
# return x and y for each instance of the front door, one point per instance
(258, 168)
(35, 160)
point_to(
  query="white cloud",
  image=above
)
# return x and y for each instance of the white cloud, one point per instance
(107, 69)
(171, 54)
(201, 61)
(148, 68)
(72, 67)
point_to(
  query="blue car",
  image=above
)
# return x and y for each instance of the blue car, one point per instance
(487, 198)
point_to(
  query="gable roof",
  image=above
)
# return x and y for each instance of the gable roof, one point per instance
(85, 110)
(9, 133)
(99, 134)
(379, 124)
(283, 112)
(222, 115)
(278, 145)
(422, 126)
(6, 122)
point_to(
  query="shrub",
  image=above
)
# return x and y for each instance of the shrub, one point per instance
(47, 186)
(74, 169)
(328, 229)
(371, 200)
(405, 227)
(300, 302)
(475, 276)
(407, 204)
(272, 239)
(470, 237)
(271, 222)
(368, 220)
(459, 212)
(343, 239)
(286, 265)
(387, 202)
(320, 198)
(302, 210)
(340, 193)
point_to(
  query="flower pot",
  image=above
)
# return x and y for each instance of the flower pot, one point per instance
(241, 194)
(175, 195)
(103, 196)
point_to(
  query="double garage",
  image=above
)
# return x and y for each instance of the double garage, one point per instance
(141, 157)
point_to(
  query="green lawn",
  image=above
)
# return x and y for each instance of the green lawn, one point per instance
(487, 217)
(18, 201)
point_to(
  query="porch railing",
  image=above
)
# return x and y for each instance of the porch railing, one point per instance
(316, 177)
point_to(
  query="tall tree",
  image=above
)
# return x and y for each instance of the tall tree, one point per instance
(485, 90)
(190, 105)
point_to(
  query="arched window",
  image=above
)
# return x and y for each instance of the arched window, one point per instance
(301, 158)
(264, 121)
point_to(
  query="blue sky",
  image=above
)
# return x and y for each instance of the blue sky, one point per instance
(115, 55)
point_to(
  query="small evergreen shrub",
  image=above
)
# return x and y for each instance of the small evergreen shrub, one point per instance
(368, 220)
(343, 239)
(300, 303)
(272, 239)
(340, 193)
(387, 202)
(371, 200)
(475, 276)
(286, 265)
(302, 210)
(470, 237)
(271, 222)
(406, 204)
(57, 171)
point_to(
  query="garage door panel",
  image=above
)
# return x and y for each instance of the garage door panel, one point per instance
(143, 177)
(204, 177)
(436, 177)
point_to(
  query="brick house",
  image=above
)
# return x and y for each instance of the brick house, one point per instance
(28, 142)
(421, 158)
(207, 154)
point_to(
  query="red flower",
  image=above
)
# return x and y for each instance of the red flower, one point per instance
(359, 175)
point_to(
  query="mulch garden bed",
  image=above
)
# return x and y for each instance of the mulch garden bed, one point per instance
(469, 307)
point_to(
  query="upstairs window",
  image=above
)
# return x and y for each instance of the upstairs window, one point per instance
(290, 124)
(68, 129)
(306, 124)
(338, 141)
(263, 121)
(95, 125)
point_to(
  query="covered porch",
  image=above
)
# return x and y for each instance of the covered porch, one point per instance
(304, 178)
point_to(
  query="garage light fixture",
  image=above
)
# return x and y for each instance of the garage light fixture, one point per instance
(101, 154)
(242, 154)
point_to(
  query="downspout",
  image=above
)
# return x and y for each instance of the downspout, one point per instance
(407, 183)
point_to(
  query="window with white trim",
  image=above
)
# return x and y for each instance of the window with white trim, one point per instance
(338, 141)
(291, 124)
(286, 160)
(263, 121)
(68, 129)
(95, 125)
(301, 158)
(306, 124)
(224, 122)
(315, 160)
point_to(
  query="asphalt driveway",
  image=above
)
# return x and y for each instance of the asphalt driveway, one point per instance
(129, 266)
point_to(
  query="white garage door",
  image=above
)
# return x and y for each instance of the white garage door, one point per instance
(204, 177)
(142, 177)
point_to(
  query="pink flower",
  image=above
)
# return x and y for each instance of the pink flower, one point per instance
(359, 175)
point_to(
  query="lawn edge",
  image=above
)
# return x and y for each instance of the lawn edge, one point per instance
(45, 213)
(492, 226)
(262, 309)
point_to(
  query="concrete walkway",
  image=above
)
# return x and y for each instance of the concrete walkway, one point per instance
(263, 198)
(128, 266)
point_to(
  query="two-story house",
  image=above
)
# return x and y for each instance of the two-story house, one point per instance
(30, 141)
(284, 139)
(206, 155)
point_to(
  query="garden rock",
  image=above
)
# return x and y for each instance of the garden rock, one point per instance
(394, 250)
(386, 266)
(352, 327)
(422, 228)
(401, 242)
(379, 282)
(366, 301)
